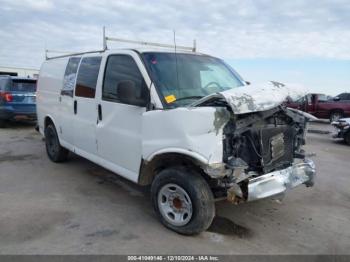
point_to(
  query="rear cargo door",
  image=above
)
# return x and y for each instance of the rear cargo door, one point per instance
(85, 107)
(23, 96)
(67, 116)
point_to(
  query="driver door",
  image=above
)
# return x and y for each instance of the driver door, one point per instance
(119, 128)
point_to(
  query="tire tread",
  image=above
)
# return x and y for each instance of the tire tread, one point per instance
(62, 153)
(199, 191)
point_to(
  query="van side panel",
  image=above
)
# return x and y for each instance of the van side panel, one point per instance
(50, 83)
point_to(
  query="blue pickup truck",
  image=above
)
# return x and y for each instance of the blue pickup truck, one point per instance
(17, 99)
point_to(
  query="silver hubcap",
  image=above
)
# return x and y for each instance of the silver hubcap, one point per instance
(175, 205)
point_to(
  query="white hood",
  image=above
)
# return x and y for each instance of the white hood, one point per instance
(255, 98)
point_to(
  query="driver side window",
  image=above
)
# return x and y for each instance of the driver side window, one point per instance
(122, 68)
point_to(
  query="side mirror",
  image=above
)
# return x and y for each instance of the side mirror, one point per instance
(337, 98)
(127, 94)
(247, 83)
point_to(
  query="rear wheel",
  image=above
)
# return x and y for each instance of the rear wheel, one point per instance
(54, 150)
(335, 116)
(183, 200)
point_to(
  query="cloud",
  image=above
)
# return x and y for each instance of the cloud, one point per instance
(29, 5)
(228, 29)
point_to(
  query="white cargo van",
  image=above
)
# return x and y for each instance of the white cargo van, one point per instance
(184, 123)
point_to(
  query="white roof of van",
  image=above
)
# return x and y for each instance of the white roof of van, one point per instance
(155, 49)
(139, 49)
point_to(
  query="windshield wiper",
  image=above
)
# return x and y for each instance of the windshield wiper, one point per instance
(188, 97)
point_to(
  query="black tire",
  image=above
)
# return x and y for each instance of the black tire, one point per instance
(199, 192)
(347, 138)
(54, 150)
(2, 123)
(335, 116)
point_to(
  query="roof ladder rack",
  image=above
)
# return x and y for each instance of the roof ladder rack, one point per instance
(185, 48)
(67, 53)
(107, 38)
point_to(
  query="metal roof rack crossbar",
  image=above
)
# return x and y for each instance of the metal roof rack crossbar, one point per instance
(66, 53)
(107, 38)
(186, 48)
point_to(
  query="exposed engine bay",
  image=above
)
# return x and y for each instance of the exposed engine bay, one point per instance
(260, 143)
(264, 141)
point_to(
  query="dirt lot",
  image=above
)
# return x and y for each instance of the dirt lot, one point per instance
(80, 208)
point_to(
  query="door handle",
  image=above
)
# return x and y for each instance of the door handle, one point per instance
(75, 107)
(99, 109)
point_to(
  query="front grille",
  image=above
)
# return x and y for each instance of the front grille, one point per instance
(277, 147)
(264, 147)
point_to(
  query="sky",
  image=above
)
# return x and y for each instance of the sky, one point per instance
(301, 41)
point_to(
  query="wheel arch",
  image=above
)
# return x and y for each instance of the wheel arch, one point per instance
(48, 119)
(162, 160)
(340, 110)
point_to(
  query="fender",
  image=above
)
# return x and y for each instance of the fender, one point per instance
(200, 158)
(42, 127)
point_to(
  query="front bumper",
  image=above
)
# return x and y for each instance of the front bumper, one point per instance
(341, 133)
(278, 182)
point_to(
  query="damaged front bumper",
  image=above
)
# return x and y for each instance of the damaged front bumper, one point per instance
(277, 182)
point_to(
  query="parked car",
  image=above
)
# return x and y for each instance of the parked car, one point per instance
(320, 106)
(184, 123)
(17, 99)
(342, 129)
(344, 97)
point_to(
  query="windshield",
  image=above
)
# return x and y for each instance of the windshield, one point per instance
(322, 98)
(183, 78)
(23, 85)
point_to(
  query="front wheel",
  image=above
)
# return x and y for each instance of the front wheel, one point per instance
(347, 138)
(335, 116)
(183, 200)
(54, 150)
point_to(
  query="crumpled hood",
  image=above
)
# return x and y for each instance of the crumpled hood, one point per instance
(347, 120)
(255, 98)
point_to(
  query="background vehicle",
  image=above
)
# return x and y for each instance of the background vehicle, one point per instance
(342, 129)
(184, 123)
(320, 106)
(344, 97)
(17, 99)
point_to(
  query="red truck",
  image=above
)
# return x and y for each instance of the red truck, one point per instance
(321, 106)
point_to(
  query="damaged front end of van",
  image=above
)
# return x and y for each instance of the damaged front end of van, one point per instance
(244, 139)
(262, 143)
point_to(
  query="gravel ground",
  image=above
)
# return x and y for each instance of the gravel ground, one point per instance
(80, 208)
